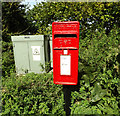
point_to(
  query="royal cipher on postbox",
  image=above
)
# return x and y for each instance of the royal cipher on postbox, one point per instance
(65, 38)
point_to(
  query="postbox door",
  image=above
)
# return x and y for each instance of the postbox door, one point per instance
(66, 65)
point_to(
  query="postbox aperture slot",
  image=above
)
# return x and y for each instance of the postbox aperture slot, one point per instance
(65, 36)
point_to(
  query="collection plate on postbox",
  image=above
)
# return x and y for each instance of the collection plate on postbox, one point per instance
(65, 38)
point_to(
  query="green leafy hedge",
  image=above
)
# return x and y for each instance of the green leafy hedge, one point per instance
(8, 64)
(31, 94)
(99, 70)
(98, 89)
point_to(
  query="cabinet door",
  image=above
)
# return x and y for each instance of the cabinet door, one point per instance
(36, 55)
(21, 57)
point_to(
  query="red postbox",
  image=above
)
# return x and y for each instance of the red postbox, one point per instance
(65, 37)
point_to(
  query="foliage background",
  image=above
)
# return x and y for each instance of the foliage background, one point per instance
(98, 89)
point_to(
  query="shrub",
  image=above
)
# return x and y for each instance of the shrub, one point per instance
(8, 65)
(31, 94)
(99, 70)
(98, 89)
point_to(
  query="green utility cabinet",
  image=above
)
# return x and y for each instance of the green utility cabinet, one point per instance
(30, 52)
(51, 54)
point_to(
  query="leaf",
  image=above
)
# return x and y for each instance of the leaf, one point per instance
(97, 93)
(118, 89)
